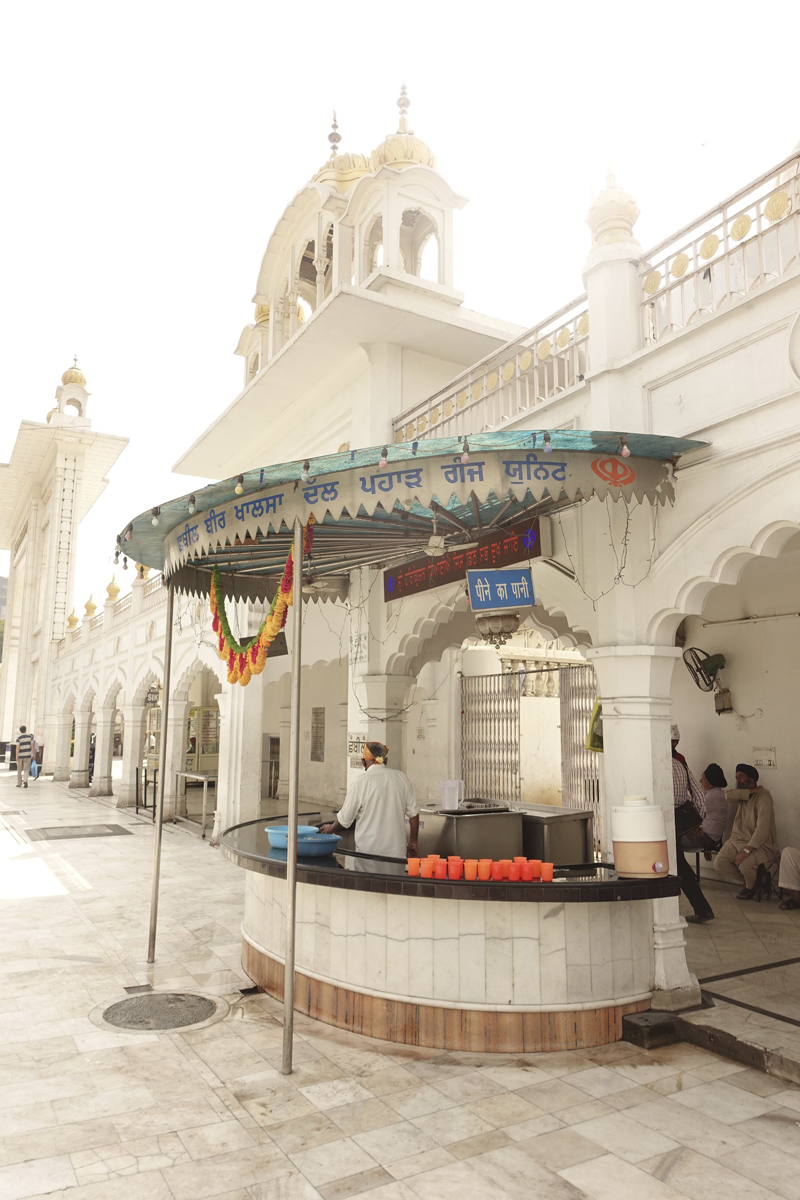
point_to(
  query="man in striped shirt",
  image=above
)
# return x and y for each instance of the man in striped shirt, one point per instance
(24, 752)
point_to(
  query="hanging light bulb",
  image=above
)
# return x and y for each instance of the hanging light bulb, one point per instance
(116, 558)
(192, 505)
(155, 512)
(548, 449)
(304, 472)
(125, 562)
(239, 481)
(382, 463)
(624, 447)
(465, 452)
(129, 533)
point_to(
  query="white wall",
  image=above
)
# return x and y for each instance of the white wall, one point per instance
(540, 749)
(763, 673)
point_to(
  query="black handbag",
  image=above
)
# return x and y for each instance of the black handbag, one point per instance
(687, 817)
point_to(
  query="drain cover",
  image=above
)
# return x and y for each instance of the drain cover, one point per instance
(160, 1010)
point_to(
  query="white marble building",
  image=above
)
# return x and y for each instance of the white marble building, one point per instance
(359, 338)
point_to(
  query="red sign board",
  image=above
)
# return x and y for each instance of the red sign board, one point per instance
(499, 548)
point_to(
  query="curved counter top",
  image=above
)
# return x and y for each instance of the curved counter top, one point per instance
(248, 846)
(462, 966)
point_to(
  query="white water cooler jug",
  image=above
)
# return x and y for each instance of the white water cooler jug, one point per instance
(639, 838)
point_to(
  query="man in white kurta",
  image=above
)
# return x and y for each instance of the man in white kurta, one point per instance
(379, 802)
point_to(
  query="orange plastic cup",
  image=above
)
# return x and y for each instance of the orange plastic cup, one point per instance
(536, 863)
(470, 868)
(426, 868)
(527, 871)
(433, 857)
(520, 859)
(506, 864)
(547, 872)
(455, 869)
(497, 871)
(440, 869)
(513, 872)
(485, 869)
(413, 866)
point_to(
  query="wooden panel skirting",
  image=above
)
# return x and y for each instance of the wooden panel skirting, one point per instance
(440, 1028)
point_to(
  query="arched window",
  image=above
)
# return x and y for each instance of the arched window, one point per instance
(417, 231)
(374, 256)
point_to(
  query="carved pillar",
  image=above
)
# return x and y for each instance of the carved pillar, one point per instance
(132, 753)
(103, 751)
(79, 776)
(63, 723)
(634, 684)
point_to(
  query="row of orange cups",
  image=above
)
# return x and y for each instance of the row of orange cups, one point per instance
(515, 870)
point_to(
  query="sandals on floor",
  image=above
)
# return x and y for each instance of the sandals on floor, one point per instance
(789, 905)
(747, 894)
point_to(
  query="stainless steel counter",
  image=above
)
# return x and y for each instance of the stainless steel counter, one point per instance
(470, 834)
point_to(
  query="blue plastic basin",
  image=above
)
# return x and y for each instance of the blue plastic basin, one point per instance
(279, 836)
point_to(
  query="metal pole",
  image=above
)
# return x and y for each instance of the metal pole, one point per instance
(162, 772)
(294, 801)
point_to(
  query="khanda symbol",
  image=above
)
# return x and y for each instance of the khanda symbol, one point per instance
(612, 471)
(529, 539)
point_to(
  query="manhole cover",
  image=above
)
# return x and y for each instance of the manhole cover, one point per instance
(160, 1010)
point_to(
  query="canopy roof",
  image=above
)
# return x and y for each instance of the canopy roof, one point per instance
(366, 514)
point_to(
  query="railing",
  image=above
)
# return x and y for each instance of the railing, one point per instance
(748, 240)
(96, 622)
(122, 605)
(154, 593)
(543, 363)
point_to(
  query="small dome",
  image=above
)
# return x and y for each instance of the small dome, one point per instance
(612, 215)
(89, 609)
(402, 149)
(74, 374)
(72, 621)
(112, 591)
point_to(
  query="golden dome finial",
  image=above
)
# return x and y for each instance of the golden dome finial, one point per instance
(74, 374)
(334, 137)
(402, 149)
(72, 621)
(89, 609)
(112, 591)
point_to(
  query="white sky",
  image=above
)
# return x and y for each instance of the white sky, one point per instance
(149, 150)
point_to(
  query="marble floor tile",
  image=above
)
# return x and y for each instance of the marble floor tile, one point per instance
(561, 1149)
(392, 1142)
(505, 1109)
(324, 1164)
(729, 1104)
(363, 1116)
(611, 1178)
(624, 1137)
(552, 1095)
(420, 1101)
(703, 1178)
(39, 1175)
(600, 1081)
(206, 1141)
(335, 1093)
(239, 1168)
(356, 1185)
(451, 1125)
(418, 1164)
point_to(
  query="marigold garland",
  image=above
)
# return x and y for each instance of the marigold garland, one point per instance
(248, 658)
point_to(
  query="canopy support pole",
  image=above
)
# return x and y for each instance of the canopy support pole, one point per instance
(294, 801)
(162, 767)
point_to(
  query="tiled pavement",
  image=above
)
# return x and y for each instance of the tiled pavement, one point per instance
(93, 1115)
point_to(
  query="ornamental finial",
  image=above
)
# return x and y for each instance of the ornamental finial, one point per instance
(403, 103)
(334, 137)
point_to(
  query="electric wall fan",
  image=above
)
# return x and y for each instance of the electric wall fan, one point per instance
(704, 669)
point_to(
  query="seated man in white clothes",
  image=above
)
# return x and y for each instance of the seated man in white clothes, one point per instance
(379, 802)
(789, 877)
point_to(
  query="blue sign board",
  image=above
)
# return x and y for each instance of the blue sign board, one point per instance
(512, 588)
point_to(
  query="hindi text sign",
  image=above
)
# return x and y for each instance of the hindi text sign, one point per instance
(491, 590)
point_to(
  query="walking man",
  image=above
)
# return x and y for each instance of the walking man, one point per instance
(24, 752)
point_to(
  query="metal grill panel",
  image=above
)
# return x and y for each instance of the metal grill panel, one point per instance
(580, 774)
(490, 736)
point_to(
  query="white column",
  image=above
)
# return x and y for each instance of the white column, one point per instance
(49, 743)
(239, 782)
(63, 734)
(103, 750)
(79, 776)
(175, 759)
(634, 684)
(132, 750)
(342, 254)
